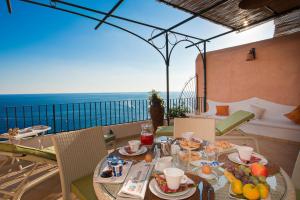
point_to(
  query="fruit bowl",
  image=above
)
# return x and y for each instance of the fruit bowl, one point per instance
(247, 182)
(241, 196)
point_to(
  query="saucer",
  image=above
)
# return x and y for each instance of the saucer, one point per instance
(178, 196)
(141, 151)
(234, 157)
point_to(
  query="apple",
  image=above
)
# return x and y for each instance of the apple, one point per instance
(258, 169)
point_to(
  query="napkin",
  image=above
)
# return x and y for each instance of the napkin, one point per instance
(135, 188)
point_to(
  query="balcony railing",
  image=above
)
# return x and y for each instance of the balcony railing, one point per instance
(75, 116)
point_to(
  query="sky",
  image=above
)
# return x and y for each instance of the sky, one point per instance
(48, 51)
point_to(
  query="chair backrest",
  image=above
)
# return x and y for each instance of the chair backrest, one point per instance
(78, 153)
(296, 173)
(203, 128)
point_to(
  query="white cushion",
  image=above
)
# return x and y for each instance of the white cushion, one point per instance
(258, 111)
(275, 124)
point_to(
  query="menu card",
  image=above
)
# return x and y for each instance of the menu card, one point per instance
(136, 183)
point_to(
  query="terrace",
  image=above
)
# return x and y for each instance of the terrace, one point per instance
(260, 78)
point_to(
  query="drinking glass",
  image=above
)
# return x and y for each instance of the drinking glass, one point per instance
(174, 152)
(211, 153)
(183, 159)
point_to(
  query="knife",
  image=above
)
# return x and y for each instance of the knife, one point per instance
(210, 189)
(200, 187)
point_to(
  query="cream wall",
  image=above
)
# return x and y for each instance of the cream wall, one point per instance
(274, 75)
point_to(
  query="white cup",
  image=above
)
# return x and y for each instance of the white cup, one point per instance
(174, 177)
(134, 145)
(245, 152)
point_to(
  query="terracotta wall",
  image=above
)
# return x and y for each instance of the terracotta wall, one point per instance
(274, 75)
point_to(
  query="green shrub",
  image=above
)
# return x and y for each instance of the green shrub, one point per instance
(178, 111)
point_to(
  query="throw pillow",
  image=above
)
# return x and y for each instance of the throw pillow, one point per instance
(257, 111)
(294, 115)
(222, 110)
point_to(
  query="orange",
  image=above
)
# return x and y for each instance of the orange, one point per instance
(206, 169)
(251, 192)
(148, 157)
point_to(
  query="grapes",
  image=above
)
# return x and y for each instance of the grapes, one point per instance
(245, 179)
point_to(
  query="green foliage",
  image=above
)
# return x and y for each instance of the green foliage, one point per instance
(154, 98)
(178, 111)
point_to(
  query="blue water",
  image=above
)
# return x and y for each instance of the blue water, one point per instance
(114, 108)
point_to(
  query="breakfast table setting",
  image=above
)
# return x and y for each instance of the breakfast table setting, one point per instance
(188, 168)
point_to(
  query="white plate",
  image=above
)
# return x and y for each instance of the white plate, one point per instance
(157, 193)
(200, 163)
(171, 194)
(234, 157)
(141, 151)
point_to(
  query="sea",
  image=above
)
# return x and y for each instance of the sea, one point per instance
(71, 111)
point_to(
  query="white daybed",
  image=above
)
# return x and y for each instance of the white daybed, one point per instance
(273, 123)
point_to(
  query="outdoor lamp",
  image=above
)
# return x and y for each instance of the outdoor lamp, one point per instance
(251, 55)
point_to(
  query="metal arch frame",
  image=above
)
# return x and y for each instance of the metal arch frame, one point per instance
(168, 56)
(8, 3)
(203, 56)
(184, 40)
(109, 13)
(123, 18)
(165, 55)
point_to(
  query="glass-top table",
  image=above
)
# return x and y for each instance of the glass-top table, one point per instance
(281, 188)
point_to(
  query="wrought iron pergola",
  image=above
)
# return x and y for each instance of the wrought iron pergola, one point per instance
(166, 50)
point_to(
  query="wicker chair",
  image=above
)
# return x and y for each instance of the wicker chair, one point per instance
(78, 153)
(204, 128)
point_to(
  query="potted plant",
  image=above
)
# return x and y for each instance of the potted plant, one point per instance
(156, 109)
(178, 111)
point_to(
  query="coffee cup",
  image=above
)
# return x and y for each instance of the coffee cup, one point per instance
(134, 145)
(174, 177)
(245, 153)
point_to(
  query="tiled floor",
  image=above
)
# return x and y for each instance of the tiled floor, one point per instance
(282, 152)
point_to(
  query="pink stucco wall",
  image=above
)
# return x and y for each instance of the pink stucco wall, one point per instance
(274, 75)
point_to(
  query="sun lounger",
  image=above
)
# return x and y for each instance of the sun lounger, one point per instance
(28, 167)
(223, 127)
(164, 131)
(235, 120)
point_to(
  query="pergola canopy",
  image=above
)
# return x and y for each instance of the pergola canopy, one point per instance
(229, 14)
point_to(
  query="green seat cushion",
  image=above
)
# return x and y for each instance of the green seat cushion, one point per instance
(47, 153)
(109, 137)
(165, 131)
(231, 122)
(298, 194)
(83, 188)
